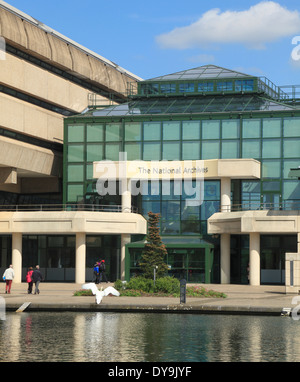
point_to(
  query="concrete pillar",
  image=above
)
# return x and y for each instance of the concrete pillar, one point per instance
(125, 239)
(17, 256)
(225, 258)
(80, 261)
(126, 201)
(225, 194)
(254, 264)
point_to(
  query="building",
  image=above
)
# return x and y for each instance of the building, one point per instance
(246, 132)
(44, 78)
(67, 114)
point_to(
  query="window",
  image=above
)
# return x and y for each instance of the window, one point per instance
(244, 85)
(271, 128)
(224, 86)
(171, 131)
(191, 130)
(132, 131)
(94, 133)
(291, 127)
(230, 129)
(186, 87)
(271, 148)
(210, 129)
(112, 132)
(152, 131)
(75, 133)
(206, 87)
(251, 148)
(251, 128)
(210, 150)
(168, 88)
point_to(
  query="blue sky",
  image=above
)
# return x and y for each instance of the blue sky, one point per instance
(152, 38)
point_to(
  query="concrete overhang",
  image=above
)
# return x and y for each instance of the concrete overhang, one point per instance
(245, 222)
(69, 222)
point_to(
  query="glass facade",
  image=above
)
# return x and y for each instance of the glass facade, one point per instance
(189, 127)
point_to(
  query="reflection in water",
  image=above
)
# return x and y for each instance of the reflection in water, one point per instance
(149, 337)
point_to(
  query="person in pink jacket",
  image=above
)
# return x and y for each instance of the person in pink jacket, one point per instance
(29, 280)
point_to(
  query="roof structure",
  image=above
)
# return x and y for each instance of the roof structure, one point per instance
(191, 105)
(201, 73)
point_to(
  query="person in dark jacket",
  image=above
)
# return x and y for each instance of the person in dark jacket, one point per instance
(102, 271)
(37, 277)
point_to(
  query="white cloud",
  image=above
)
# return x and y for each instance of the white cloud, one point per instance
(262, 23)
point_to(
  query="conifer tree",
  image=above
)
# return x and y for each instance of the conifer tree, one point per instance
(155, 251)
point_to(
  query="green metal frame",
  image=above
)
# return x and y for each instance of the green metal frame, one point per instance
(208, 256)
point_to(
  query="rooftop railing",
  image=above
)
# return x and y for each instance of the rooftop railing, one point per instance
(67, 207)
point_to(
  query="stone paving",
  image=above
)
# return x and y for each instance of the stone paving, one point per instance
(241, 299)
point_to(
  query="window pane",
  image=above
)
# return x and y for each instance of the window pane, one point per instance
(151, 151)
(171, 151)
(230, 129)
(171, 131)
(191, 130)
(74, 191)
(251, 148)
(94, 152)
(112, 132)
(230, 149)
(210, 129)
(291, 127)
(271, 169)
(132, 131)
(271, 127)
(291, 189)
(112, 152)
(75, 173)
(133, 151)
(251, 128)
(271, 148)
(291, 148)
(75, 133)
(211, 190)
(288, 164)
(190, 150)
(152, 131)
(210, 150)
(94, 133)
(186, 87)
(75, 153)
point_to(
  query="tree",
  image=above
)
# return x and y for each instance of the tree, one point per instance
(155, 251)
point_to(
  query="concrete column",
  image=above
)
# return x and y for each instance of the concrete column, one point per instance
(254, 264)
(17, 256)
(80, 261)
(125, 239)
(225, 258)
(225, 194)
(126, 201)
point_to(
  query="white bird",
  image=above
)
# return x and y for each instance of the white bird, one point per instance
(99, 294)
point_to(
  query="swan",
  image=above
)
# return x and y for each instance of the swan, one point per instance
(99, 294)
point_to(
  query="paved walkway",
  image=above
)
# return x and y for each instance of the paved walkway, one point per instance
(241, 299)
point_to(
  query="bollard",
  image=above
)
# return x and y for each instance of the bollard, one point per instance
(182, 291)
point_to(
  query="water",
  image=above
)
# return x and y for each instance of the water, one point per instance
(147, 337)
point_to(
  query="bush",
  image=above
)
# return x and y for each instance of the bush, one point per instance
(167, 285)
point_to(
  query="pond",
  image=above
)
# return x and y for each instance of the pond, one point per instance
(147, 337)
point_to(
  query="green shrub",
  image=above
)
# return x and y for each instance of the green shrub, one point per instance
(168, 285)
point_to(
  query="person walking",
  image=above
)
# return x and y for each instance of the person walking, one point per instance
(29, 279)
(37, 277)
(8, 276)
(102, 271)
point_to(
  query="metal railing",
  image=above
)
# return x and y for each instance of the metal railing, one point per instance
(67, 207)
(286, 205)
